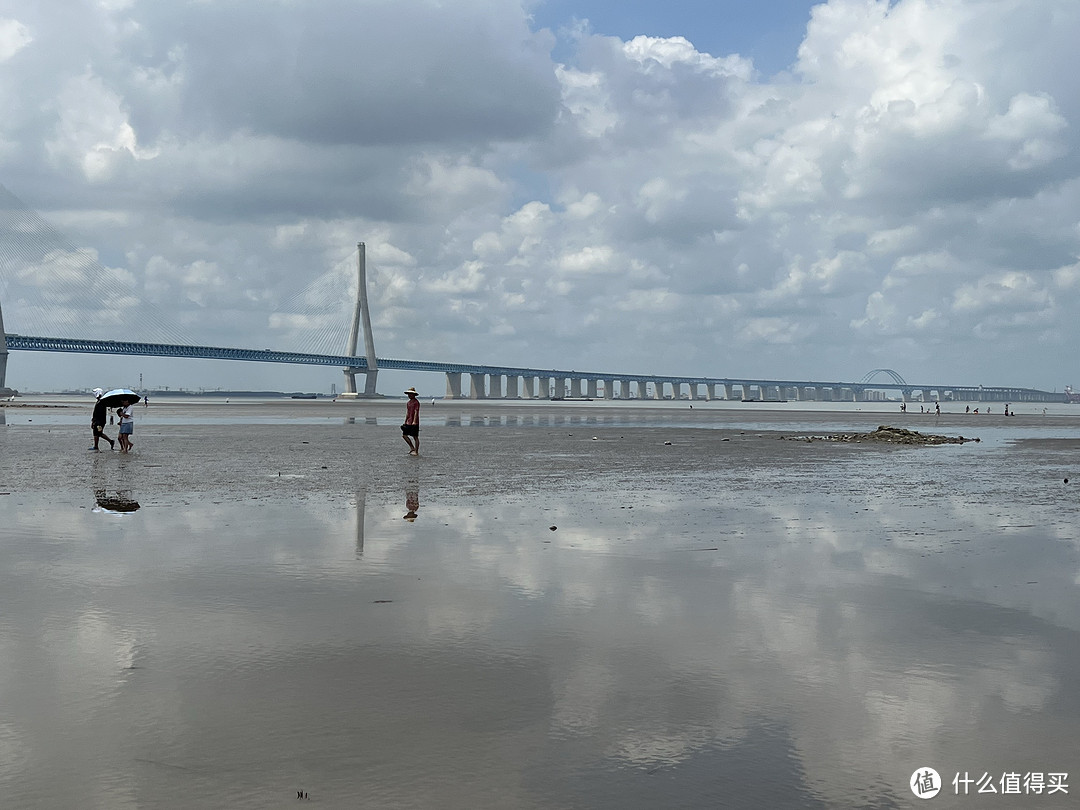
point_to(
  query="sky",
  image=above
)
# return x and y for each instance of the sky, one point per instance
(728, 189)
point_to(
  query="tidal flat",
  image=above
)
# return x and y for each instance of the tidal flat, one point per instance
(555, 606)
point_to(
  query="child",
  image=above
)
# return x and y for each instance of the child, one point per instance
(127, 426)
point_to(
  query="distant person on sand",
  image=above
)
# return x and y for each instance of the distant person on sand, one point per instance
(127, 425)
(97, 421)
(410, 431)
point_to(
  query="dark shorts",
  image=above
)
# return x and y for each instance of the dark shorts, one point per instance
(410, 430)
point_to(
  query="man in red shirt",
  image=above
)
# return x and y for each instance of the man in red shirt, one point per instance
(410, 431)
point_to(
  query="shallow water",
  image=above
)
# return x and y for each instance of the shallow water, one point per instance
(804, 629)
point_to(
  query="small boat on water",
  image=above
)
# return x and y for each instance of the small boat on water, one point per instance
(305, 396)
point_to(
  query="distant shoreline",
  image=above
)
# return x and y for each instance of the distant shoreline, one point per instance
(279, 406)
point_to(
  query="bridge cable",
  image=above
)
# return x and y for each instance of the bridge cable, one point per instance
(52, 288)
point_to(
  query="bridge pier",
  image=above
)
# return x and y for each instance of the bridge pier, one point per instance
(512, 386)
(495, 386)
(477, 389)
(528, 383)
(453, 385)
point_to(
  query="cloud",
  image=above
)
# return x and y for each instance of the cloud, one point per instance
(911, 181)
(14, 36)
(372, 73)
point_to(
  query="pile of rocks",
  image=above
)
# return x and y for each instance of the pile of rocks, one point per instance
(885, 434)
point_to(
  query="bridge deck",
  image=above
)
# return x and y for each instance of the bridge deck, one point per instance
(359, 364)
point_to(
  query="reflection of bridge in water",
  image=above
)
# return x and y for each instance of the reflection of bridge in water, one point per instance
(474, 381)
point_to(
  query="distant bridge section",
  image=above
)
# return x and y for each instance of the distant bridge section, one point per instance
(121, 347)
(511, 382)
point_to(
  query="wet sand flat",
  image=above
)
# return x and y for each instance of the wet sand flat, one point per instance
(553, 607)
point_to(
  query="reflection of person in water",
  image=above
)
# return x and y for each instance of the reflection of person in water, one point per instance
(412, 501)
(120, 501)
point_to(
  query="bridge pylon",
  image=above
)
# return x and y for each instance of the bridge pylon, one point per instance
(361, 316)
(4, 391)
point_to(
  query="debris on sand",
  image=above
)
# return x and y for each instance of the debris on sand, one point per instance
(885, 434)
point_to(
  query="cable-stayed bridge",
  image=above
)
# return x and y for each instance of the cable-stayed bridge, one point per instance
(63, 287)
(487, 382)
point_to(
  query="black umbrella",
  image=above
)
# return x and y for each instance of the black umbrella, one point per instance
(119, 396)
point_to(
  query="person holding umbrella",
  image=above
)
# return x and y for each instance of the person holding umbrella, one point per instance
(97, 421)
(122, 399)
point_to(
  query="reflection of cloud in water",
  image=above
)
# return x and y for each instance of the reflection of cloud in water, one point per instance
(838, 632)
(13, 749)
(873, 667)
